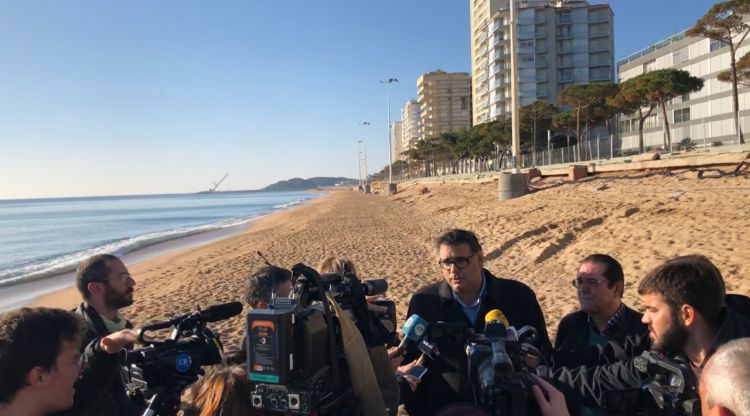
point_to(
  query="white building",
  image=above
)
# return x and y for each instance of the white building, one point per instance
(410, 124)
(560, 43)
(705, 116)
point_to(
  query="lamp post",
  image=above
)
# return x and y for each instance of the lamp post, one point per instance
(391, 185)
(359, 165)
(367, 186)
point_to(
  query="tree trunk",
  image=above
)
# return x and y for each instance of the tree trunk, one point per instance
(667, 136)
(735, 99)
(641, 119)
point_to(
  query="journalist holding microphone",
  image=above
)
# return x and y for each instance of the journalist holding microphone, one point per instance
(467, 293)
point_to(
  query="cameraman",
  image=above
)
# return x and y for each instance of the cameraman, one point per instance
(467, 293)
(106, 287)
(377, 354)
(684, 308)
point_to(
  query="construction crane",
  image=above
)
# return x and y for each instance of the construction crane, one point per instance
(217, 183)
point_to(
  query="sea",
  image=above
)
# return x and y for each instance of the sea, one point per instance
(41, 238)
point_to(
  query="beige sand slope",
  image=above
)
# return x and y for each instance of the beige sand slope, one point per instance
(537, 239)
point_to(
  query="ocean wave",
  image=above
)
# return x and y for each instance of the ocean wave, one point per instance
(43, 268)
(293, 203)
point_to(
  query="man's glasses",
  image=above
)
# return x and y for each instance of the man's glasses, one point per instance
(460, 262)
(592, 283)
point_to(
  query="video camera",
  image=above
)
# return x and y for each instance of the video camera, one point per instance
(495, 360)
(163, 369)
(671, 389)
(295, 355)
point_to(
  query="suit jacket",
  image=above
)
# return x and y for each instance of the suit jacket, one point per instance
(446, 380)
(572, 345)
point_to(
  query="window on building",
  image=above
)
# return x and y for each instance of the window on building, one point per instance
(526, 43)
(563, 17)
(625, 126)
(685, 97)
(464, 103)
(679, 56)
(682, 115)
(649, 66)
(651, 121)
(717, 44)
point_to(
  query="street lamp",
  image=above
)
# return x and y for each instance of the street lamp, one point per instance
(364, 143)
(391, 185)
(359, 165)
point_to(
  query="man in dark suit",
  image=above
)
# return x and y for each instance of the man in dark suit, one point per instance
(466, 294)
(604, 330)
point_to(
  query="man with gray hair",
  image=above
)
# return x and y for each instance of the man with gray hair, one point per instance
(725, 381)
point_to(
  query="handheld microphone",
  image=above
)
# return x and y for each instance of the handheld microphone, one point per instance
(496, 325)
(414, 329)
(498, 316)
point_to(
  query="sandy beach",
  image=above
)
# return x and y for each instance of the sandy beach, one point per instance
(537, 239)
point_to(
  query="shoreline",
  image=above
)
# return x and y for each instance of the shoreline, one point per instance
(32, 292)
(60, 291)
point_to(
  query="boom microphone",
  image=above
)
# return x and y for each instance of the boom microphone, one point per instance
(221, 311)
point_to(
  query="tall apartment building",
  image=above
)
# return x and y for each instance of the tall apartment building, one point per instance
(705, 116)
(410, 124)
(560, 43)
(397, 142)
(444, 103)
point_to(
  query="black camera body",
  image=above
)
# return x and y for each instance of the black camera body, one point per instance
(499, 377)
(295, 353)
(163, 369)
(671, 389)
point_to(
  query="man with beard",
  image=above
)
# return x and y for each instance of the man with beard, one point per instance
(685, 310)
(106, 287)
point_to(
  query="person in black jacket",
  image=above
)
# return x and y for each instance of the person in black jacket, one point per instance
(604, 328)
(466, 294)
(687, 317)
(106, 287)
(39, 360)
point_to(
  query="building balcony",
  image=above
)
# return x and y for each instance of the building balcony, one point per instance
(497, 69)
(497, 54)
(541, 64)
(601, 77)
(540, 34)
(496, 83)
(540, 18)
(563, 35)
(600, 62)
(482, 78)
(565, 63)
(497, 24)
(598, 48)
(565, 50)
(598, 33)
(598, 19)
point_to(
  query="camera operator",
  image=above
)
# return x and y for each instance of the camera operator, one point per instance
(467, 293)
(377, 354)
(39, 361)
(684, 308)
(106, 286)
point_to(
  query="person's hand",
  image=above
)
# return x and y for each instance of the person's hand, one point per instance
(551, 401)
(413, 381)
(114, 342)
(396, 355)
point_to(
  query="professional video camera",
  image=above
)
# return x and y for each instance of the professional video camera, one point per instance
(163, 369)
(295, 354)
(671, 389)
(495, 359)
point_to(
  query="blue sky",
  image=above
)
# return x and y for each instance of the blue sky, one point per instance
(136, 97)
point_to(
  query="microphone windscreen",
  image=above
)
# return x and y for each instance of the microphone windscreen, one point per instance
(496, 315)
(415, 328)
(221, 311)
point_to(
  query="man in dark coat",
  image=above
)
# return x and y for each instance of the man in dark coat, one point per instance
(604, 328)
(106, 287)
(466, 294)
(685, 310)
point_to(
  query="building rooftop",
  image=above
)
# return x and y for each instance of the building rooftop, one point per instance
(658, 45)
